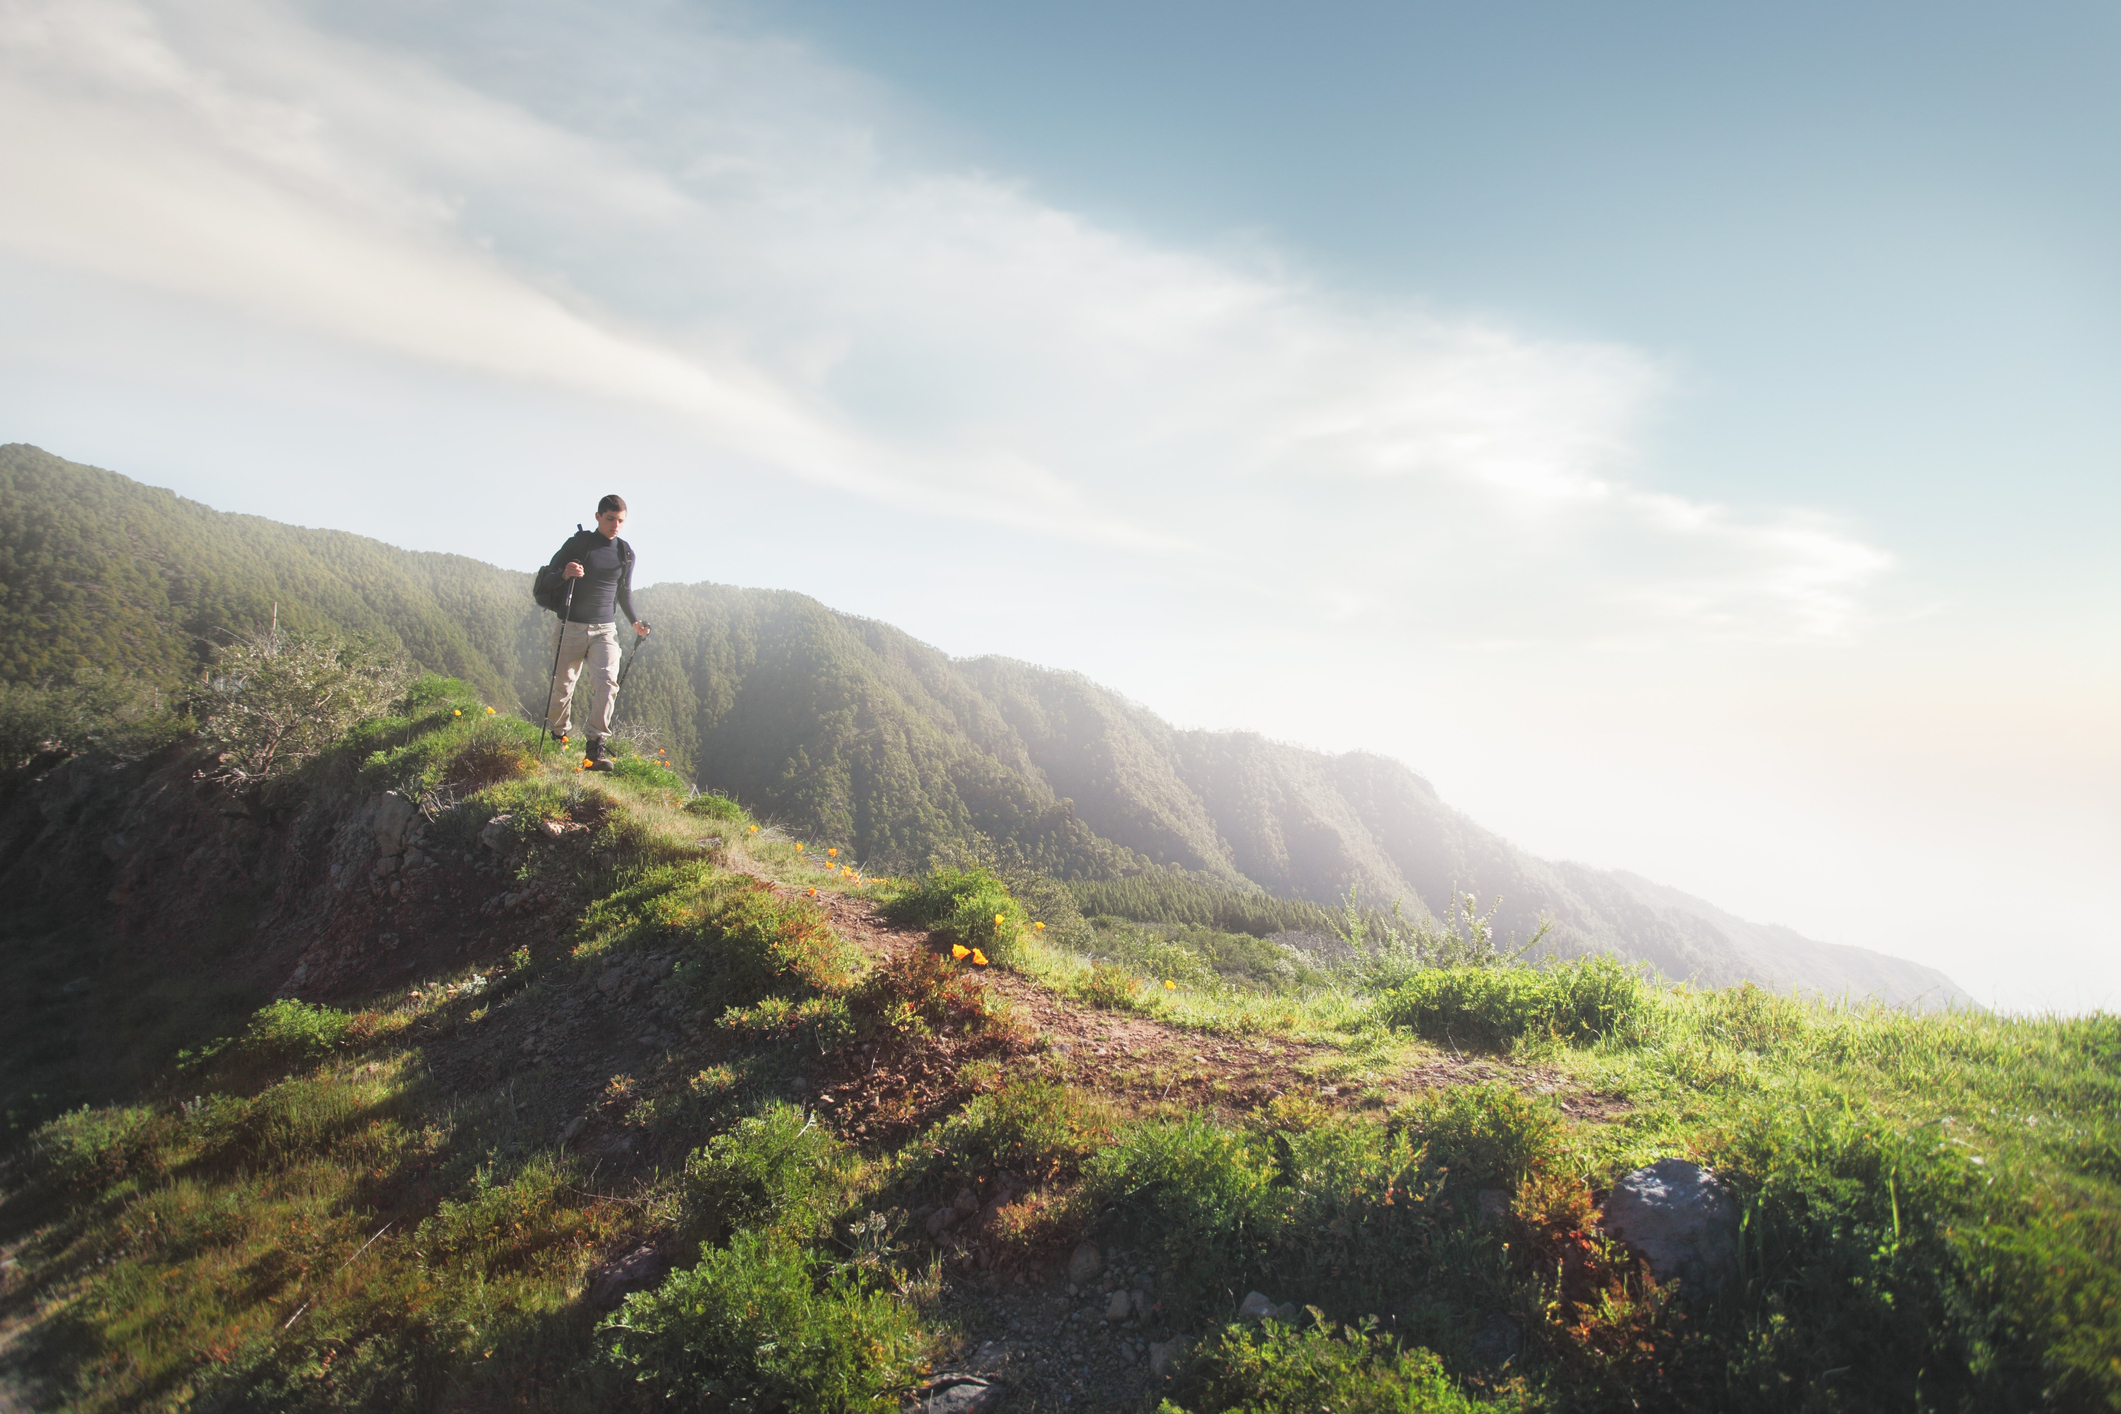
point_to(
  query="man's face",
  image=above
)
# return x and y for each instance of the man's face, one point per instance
(608, 522)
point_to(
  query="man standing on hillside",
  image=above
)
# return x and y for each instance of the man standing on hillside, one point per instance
(589, 635)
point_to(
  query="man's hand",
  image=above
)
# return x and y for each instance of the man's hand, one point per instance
(640, 628)
(571, 570)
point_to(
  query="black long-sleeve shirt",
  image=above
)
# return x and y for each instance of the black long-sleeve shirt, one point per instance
(607, 578)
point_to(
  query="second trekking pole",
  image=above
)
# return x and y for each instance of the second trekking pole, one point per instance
(626, 667)
(559, 641)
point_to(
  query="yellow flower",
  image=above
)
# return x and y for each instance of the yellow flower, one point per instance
(813, 893)
(1038, 927)
(458, 713)
(999, 919)
(1169, 985)
(489, 711)
(979, 959)
(960, 951)
(754, 829)
(798, 849)
(833, 853)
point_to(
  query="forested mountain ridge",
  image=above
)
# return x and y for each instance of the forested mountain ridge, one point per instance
(849, 728)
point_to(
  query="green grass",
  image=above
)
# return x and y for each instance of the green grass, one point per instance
(296, 1216)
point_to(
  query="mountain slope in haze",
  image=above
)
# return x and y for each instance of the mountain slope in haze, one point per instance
(850, 729)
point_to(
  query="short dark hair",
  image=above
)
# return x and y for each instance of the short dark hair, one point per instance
(611, 503)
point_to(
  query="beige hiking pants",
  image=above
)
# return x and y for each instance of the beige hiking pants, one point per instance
(595, 646)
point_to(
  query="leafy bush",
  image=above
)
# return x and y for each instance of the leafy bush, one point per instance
(1486, 1134)
(107, 713)
(962, 906)
(758, 1327)
(293, 1033)
(1275, 1368)
(716, 807)
(1578, 1002)
(775, 1170)
(1035, 1127)
(280, 698)
(87, 1149)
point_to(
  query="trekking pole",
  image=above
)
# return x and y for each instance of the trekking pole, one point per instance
(559, 640)
(626, 665)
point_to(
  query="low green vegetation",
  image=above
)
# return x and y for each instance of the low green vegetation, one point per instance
(1352, 1370)
(382, 1204)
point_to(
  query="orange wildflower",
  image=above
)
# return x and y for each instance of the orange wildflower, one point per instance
(960, 951)
(979, 959)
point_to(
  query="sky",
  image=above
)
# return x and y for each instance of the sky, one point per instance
(1684, 434)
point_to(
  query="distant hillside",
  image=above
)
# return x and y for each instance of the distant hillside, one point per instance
(851, 729)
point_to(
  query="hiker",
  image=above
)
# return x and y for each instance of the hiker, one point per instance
(589, 632)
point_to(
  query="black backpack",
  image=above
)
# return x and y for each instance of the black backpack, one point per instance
(551, 591)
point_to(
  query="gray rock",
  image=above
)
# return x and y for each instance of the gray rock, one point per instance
(1494, 1206)
(955, 1394)
(638, 1270)
(1256, 1307)
(1498, 1343)
(1679, 1218)
(1119, 1306)
(1086, 1263)
(613, 979)
(393, 813)
(1141, 1304)
(1164, 1356)
(497, 833)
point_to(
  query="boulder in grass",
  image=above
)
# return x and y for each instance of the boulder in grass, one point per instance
(638, 1270)
(1679, 1218)
(954, 1394)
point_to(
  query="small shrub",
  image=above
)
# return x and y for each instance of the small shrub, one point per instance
(716, 807)
(1274, 1368)
(774, 1170)
(107, 713)
(1489, 1134)
(758, 1327)
(961, 906)
(1108, 986)
(1494, 1007)
(279, 699)
(1037, 1128)
(283, 1035)
(88, 1149)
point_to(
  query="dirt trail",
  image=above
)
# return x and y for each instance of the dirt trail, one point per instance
(1138, 1060)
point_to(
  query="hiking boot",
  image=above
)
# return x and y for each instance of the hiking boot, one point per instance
(600, 758)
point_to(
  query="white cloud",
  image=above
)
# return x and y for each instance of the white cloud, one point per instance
(702, 224)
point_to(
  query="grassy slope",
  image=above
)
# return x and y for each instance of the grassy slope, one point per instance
(373, 1208)
(830, 723)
